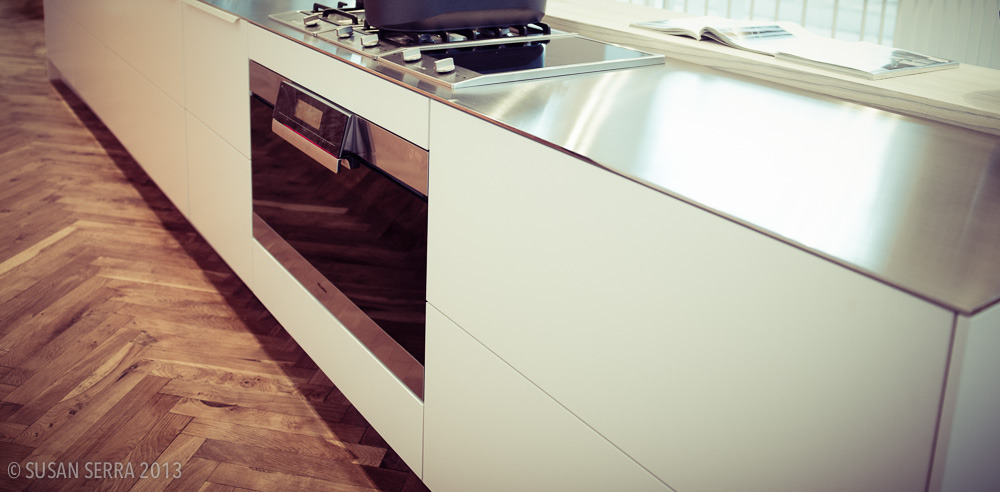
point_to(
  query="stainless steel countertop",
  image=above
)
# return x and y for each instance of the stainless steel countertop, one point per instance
(909, 202)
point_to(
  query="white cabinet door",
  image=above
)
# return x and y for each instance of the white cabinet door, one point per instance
(969, 445)
(487, 428)
(216, 94)
(216, 74)
(719, 358)
(148, 122)
(152, 48)
(220, 196)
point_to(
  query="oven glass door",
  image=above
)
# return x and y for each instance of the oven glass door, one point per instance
(358, 231)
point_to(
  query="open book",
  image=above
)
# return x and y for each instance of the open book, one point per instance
(767, 38)
(790, 41)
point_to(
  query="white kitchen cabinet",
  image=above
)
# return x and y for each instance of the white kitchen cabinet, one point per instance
(383, 399)
(217, 93)
(487, 428)
(220, 196)
(124, 27)
(154, 49)
(717, 357)
(400, 110)
(968, 456)
(144, 118)
(216, 74)
(63, 40)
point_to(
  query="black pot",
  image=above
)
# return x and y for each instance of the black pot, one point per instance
(445, 15)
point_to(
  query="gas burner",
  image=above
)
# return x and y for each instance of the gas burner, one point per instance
(409, 39)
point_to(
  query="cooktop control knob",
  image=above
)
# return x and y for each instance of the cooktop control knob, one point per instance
(411, 54)
(444, 65)
(345, 31)
(369, 40)
(311, 20)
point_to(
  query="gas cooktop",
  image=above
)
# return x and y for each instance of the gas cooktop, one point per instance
(467, 57)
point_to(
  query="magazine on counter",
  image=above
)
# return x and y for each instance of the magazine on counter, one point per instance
(790, 41)
(767, 38)
(863, 59)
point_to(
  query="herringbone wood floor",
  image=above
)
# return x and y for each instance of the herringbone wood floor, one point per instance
(125, 340)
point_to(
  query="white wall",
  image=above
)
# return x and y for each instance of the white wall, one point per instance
(967, 31)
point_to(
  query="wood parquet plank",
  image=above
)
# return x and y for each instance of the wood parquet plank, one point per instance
(74, 364)
(164, 432)
(228, 453)
(242, 435)
(26, 254)
(195, 473)
(271, 481)
(311, 426)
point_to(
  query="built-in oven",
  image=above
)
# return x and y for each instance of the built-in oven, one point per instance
(341, 203)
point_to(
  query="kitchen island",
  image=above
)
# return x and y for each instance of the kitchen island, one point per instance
(651, 279)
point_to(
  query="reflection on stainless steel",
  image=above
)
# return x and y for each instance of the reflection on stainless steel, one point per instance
(328, 161)
(400, 362)
(552, 55)
(395, 156)
(910, 202)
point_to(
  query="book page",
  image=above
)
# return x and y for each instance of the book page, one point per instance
(686, 26)
(768, 38)
(874, 60)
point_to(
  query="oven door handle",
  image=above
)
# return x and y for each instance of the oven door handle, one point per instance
(314, 151)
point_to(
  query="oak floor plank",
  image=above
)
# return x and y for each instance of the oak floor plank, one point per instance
(33, 333)
(31, 252)
(144, 454)
(291, 405)
(56, 379)
(277, 367)
(50, 362)
(57, 257)
(296, 464)
(142, 396)
(174, 301)
(271, 481)
(194, 472)
(68, 419)
(177, 466)
(177, 336)
(21, 292)
(240, 385)
(216, 487)
(293, 424)
(117, 445)
(9, 431)
(33, 301)
(243, 435)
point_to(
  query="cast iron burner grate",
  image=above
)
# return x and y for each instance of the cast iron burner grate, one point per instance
(325, 12)
(408, 39)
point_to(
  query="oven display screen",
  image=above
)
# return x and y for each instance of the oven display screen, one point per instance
(308, 114)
